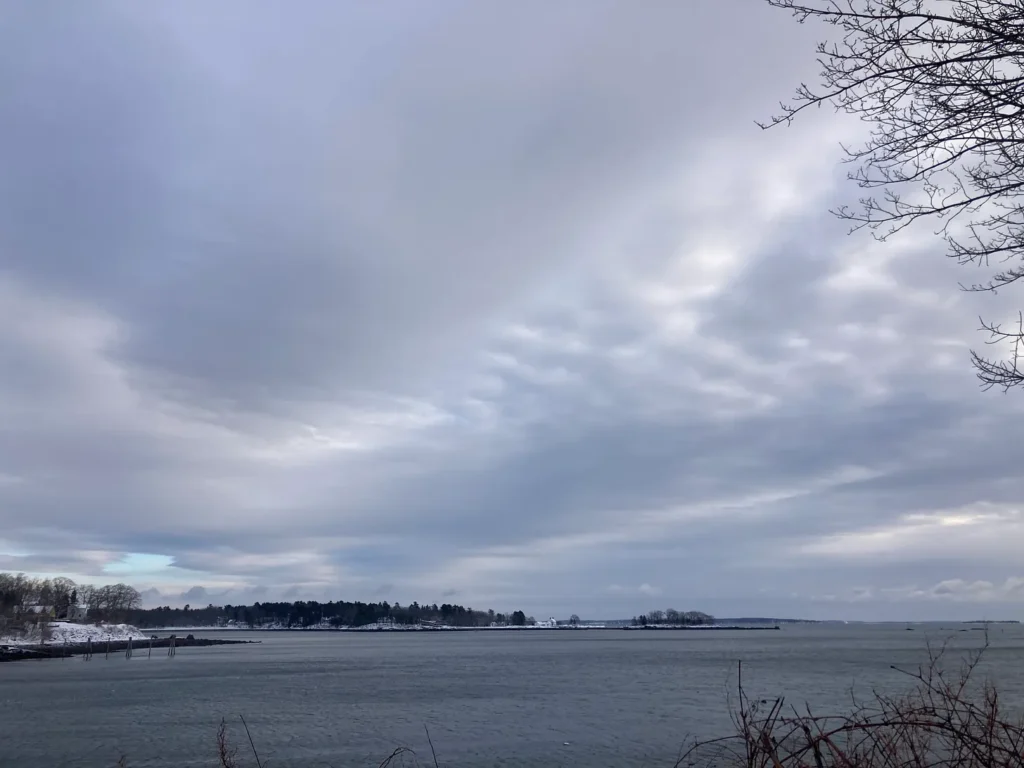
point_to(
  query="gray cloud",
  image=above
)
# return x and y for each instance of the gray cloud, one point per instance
(509, 304)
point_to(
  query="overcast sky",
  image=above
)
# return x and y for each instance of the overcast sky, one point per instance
(504, 304)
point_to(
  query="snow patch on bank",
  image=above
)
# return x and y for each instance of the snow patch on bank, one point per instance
(67, 632)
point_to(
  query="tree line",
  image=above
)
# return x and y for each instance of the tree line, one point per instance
(27, 605)
(28, 600)
(335, 613)
(55, 598)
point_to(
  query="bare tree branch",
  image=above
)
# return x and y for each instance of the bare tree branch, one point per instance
(941, 82)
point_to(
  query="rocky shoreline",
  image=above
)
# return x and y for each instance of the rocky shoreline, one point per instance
(102, 648)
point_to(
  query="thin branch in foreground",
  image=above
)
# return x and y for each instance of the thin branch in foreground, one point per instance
(397, 754)
(251, 744)
(431, 743)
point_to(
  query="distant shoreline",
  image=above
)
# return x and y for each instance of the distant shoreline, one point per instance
(421, 628)
(59, 650)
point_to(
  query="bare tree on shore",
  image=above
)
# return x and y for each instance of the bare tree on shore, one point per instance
(28, 604)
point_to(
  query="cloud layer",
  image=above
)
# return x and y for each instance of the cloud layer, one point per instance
(509, 304)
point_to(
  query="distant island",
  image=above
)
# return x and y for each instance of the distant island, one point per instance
(993, 621)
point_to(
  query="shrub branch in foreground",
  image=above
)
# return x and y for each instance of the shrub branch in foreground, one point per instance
(947, 720)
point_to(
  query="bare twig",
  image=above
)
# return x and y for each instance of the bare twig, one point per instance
(251, 744)
(431, 743)
(398, 753)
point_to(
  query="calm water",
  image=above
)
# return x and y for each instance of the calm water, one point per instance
(339, 699)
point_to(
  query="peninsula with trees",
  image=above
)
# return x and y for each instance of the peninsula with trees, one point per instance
(44, 610)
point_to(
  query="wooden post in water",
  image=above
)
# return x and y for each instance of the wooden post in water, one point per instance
(88, 649)
(170, 647)
(150, 647)
(128, 650)
(107, 654)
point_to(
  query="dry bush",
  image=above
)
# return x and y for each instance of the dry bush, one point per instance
(225, 752)
(945, 721)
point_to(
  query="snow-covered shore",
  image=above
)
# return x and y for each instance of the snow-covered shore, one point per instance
(67, 632)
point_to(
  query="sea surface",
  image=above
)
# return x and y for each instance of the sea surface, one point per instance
(546, 698)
